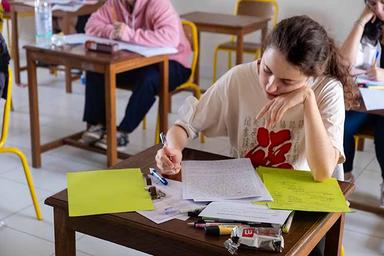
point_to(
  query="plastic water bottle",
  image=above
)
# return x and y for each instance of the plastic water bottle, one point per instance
(43, 21)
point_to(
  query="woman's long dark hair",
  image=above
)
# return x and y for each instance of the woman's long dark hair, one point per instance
(373, 31)
(305, 44)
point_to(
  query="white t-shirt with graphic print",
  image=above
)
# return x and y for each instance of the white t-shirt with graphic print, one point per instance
(230, 106)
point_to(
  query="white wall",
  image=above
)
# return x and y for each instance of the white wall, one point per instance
(337, 16)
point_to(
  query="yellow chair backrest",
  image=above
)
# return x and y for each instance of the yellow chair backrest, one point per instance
(190, 31)
(259, 8)
(7, 110)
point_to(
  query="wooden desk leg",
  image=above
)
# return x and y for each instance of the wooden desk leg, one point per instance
(239, 48)
(34, 112)
(334, 237)
(164, 95)
(68, 79)
(110, 107)
(68, 75)
(65, 244)
(15, 46)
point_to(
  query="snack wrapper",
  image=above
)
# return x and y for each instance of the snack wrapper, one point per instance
(261, 238)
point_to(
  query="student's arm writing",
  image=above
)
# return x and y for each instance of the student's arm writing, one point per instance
(168, 159)
(350, 47)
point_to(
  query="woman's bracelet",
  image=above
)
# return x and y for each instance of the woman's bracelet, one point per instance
(359, 23)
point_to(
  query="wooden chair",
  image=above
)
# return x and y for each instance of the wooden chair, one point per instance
(13, 150)
(260, 8)
(190, 31)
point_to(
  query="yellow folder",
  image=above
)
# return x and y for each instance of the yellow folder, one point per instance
(107, 191)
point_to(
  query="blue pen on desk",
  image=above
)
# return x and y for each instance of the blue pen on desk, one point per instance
(154, 173)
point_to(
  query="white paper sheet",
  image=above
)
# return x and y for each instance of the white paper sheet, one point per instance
(173, 199)
(373, 99)
(222, 180)
(143, 50)
(244, 212)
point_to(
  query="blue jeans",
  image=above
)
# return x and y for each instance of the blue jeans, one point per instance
(355, 122)
(146, 85)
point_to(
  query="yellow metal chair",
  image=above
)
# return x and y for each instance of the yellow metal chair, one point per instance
(260, 8)
(190, 31)
(366, 133)
(13, 150)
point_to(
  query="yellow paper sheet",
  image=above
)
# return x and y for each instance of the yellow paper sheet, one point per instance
(107, 191)
(296, 190)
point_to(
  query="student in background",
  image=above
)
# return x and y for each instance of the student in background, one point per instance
(284, 110)
(362, 49)
(143, 22)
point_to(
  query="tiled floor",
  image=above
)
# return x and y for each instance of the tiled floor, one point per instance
(61, 114)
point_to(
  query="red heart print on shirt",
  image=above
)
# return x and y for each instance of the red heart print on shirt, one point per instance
(271, 148)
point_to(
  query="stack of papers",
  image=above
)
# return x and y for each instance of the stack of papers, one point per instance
(241, 212)
(107, 191)
(296, 190)
(222, 180)
(142, 50)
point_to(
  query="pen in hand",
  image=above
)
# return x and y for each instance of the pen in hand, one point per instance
(163, 139)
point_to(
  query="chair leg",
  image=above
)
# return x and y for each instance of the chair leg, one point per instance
(215, 55)
(12, 107)
(157, 132)
(359, 142)
(258, 53)
(28, 176)
(229, 59)
(202, 138)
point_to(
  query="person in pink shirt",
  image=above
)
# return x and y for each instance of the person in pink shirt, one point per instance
(144, 22)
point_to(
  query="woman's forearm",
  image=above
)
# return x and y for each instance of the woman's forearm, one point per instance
(350, 47)
(321, 154)
(177, 138)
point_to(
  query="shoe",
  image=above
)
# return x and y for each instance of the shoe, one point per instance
(93, 134)
(382, 195)
(121, 137)
(348, 177)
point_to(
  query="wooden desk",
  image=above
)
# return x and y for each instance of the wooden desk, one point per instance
(110, 65)
(19, 7)
(237, 25)
(175, 237)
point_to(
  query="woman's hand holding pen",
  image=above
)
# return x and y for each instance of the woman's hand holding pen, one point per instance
(168, 160)
(375, 73)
